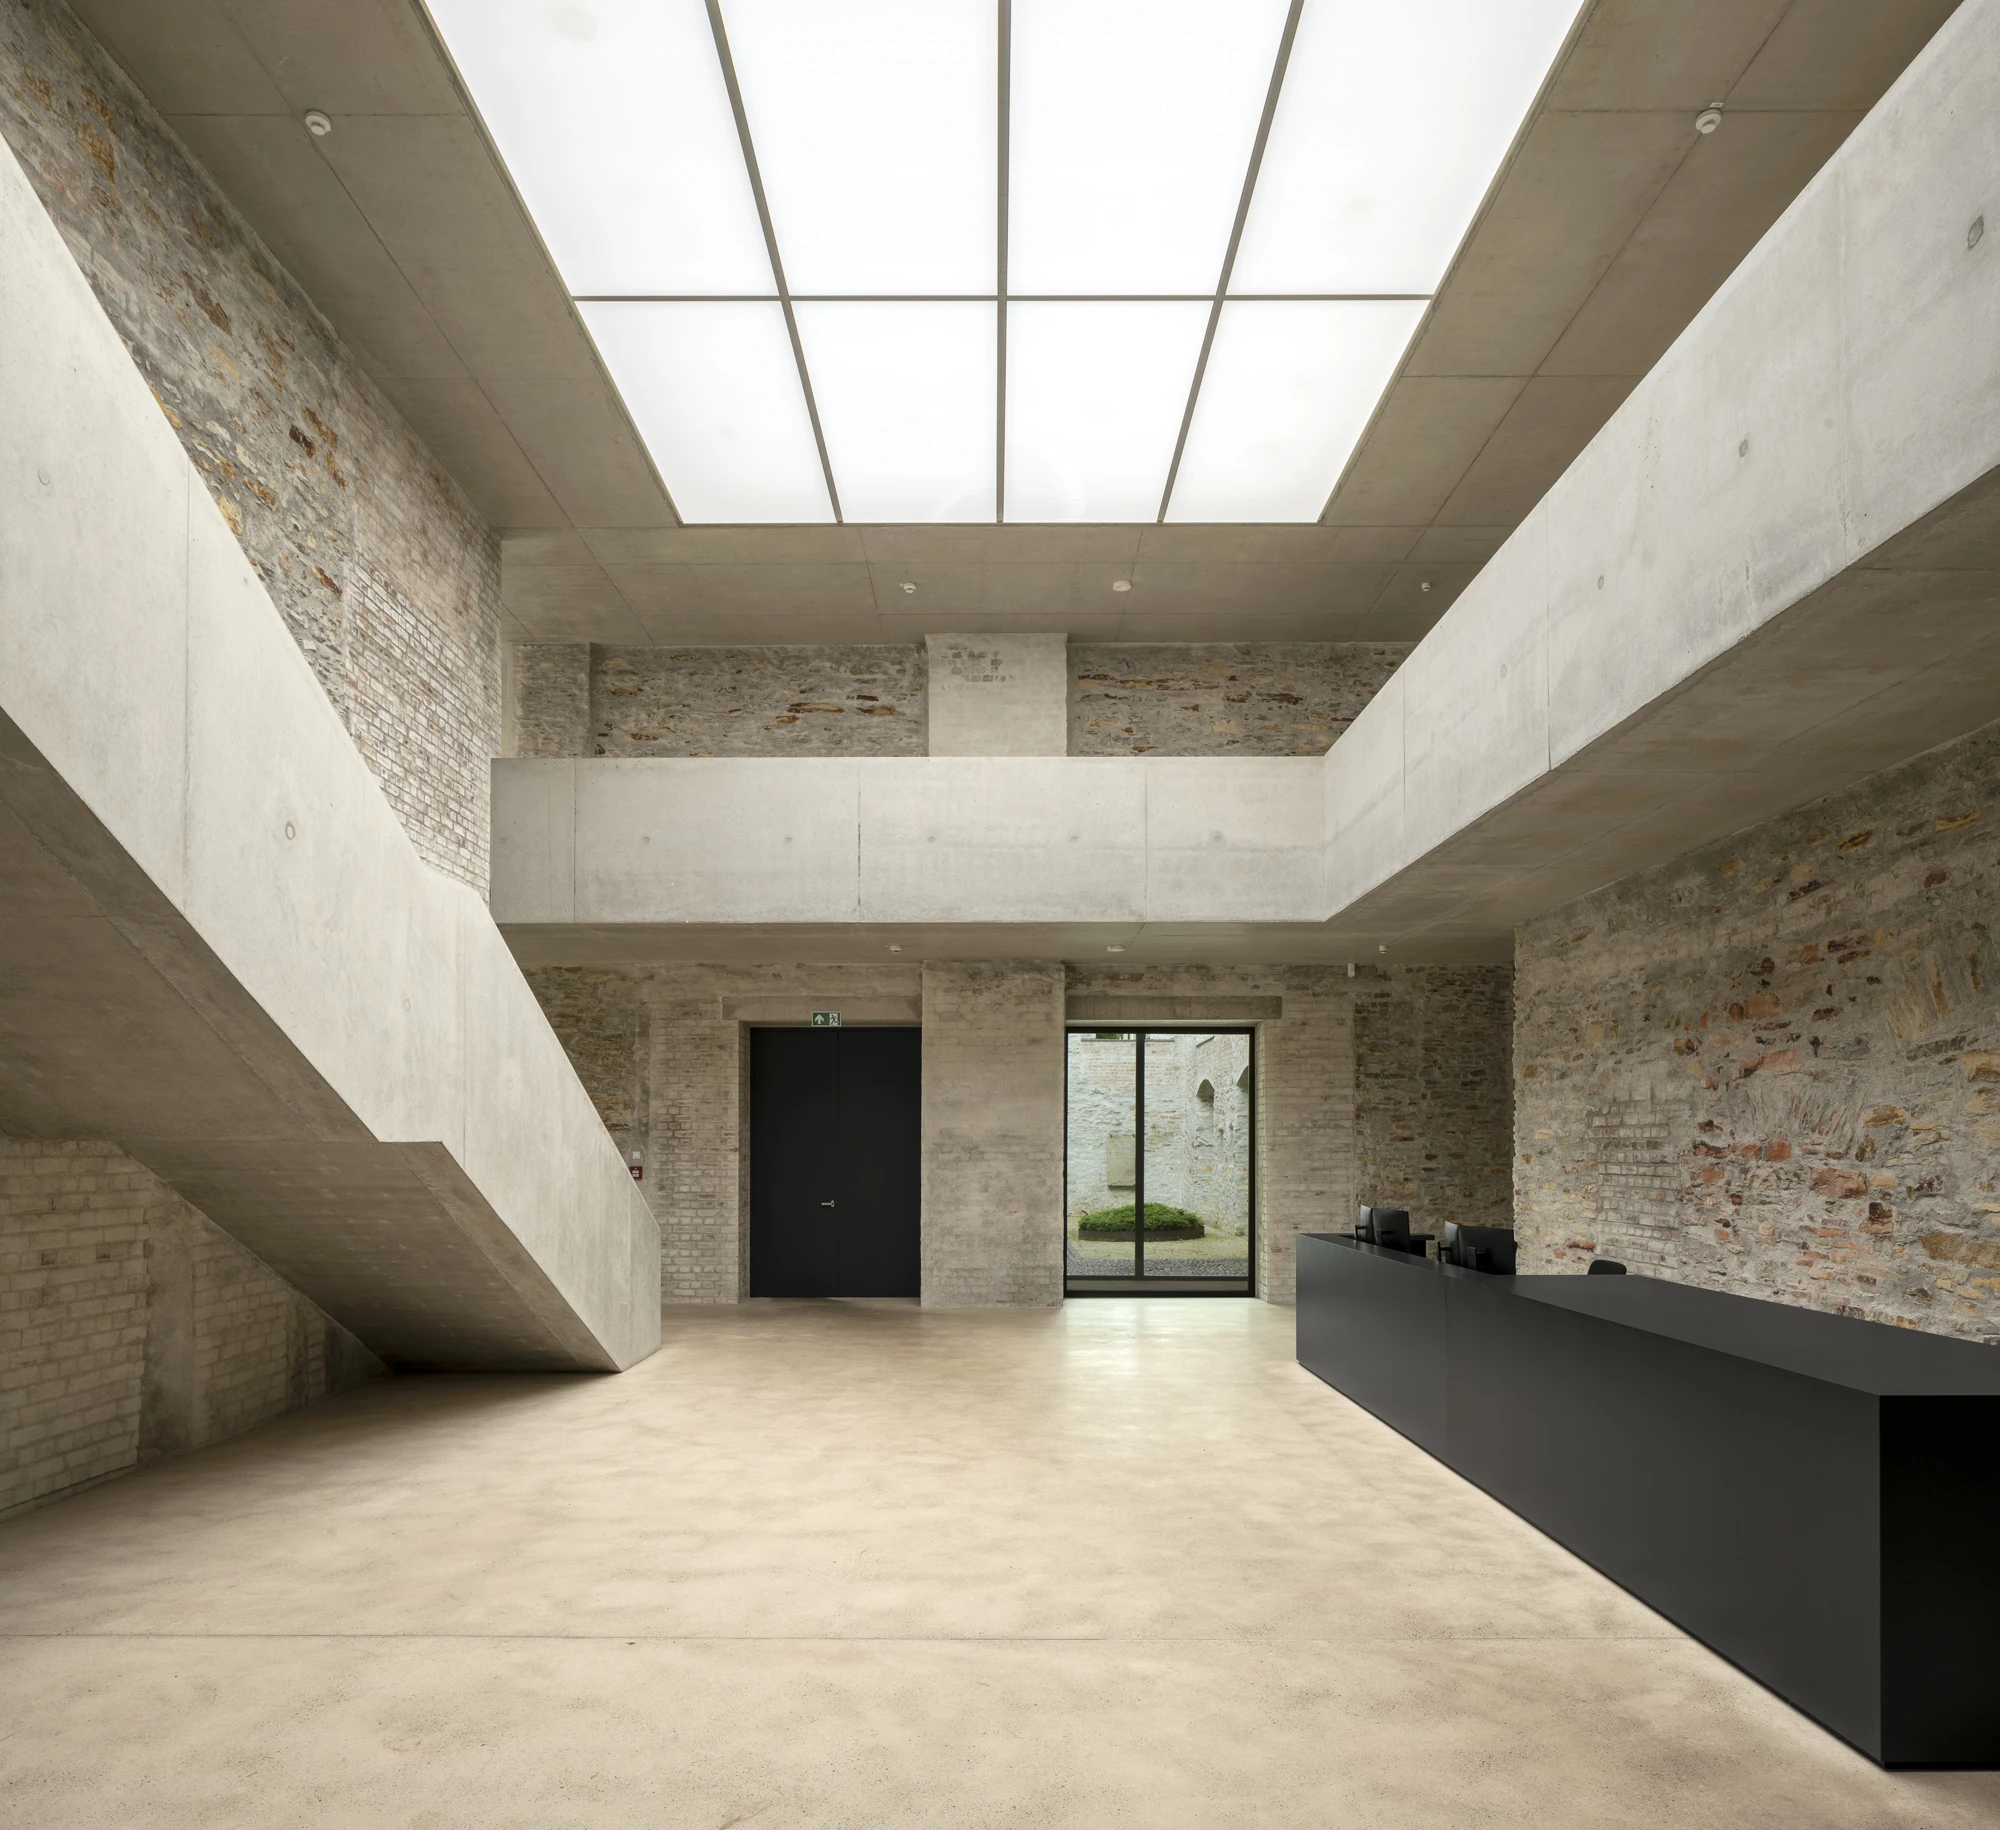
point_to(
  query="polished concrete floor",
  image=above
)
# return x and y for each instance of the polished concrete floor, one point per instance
(862, 1565)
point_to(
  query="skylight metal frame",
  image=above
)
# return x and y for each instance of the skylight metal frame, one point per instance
(1002, 297)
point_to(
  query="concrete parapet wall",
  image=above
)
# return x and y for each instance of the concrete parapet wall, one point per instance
(930, 839)
(1768, 576)
(232, 959)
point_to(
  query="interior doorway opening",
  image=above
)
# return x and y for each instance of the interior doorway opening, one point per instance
(1159, 1162)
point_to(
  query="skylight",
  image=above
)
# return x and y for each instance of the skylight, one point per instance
(1002, 260)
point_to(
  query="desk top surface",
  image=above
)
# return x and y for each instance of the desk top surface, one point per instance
(1873, 1357)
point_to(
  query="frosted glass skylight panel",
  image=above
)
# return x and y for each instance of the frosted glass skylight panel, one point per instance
(1095, 395)
(1133, 124)
(876, 129)
(1288, 390)
(714, 390)
(615, 123)
(905, 396)
(1391, 124)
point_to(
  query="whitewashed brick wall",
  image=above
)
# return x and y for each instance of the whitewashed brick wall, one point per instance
(131, 1328)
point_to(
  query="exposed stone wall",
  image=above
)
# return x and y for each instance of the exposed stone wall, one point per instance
(551, 687)
(828, 701)
(1774, 1065)
(131, 1328)
(381, 570)
(1228, 699)
(992, 1134)
(1434, 1092)
(1221, 699)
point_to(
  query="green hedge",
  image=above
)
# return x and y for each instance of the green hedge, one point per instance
(1162, 1222)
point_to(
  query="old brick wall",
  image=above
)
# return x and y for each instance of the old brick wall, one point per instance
(381, 570)
(664, 1053)
(1221, 699)
(1434, 1092)
(603, 1019)
(1774, 1065)
(1393, 1083)
(132, 1329)
(827, 701)
(1240, 699)
(992, 1137)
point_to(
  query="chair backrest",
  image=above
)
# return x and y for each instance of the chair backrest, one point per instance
(1392, 1228)
(1605, 1267)
(1481, 1248)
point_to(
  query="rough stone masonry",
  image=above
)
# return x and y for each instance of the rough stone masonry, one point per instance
(1774, 1065)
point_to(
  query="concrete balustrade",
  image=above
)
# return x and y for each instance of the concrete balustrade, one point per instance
(218, 948)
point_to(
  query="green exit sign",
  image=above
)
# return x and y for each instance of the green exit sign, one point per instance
(826, 1019)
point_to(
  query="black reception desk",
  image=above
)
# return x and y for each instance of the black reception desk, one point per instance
(1815, 1497)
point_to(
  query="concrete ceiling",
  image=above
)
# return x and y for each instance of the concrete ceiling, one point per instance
(1610, 227)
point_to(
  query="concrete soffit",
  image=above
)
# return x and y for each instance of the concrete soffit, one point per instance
(1610, 226)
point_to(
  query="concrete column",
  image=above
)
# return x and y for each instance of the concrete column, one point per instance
(993, 1134)
(998, 695)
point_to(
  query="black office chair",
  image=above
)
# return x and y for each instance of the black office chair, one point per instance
(1480, 1248)
(1389, 1227)
(1605, 1267)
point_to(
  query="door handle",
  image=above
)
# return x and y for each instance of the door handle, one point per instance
(826, 1204)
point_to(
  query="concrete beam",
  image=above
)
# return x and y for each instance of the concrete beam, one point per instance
(217, 946)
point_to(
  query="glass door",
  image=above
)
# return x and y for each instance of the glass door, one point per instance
(1158, 1181)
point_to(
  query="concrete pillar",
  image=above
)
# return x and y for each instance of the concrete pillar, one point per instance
(993, 1134)
(998, 695)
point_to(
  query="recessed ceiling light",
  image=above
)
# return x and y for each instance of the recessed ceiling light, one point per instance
(318, 124)
(1121, 584)
(1708, 120)
(1114, 949)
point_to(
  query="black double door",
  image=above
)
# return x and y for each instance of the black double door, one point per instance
(834, 1129)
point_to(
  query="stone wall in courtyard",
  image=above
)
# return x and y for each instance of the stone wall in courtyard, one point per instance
(1198, 1099)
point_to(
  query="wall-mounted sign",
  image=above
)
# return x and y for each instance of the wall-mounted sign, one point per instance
(826, 1019)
